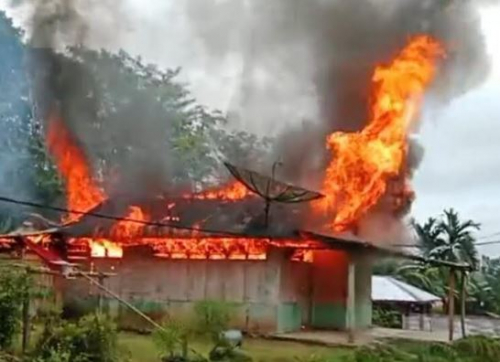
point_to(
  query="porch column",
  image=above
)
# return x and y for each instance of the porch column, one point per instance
(351, 300)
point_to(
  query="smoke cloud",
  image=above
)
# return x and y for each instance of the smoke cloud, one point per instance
(305, 66)
(322, 53)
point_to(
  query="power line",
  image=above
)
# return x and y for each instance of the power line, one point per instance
(488, 236)
(112, 217)
(488, 242)
(159, 224)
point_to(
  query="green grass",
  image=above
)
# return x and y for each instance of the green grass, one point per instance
(142, 349)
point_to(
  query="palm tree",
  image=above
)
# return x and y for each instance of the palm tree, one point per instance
(452, 240)
(458, 239)
(448, 239)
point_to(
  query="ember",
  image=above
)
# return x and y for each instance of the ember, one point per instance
(363, 162)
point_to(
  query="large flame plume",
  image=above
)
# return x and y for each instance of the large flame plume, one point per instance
(82, 194)
(363, 162)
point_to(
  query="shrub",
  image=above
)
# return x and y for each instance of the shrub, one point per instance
(14, 289)
(211, 318)
(482, 348)
(381, 353)
(172, 340)
(91, 339)
(387, 318)
(76, 308)
(4, 357)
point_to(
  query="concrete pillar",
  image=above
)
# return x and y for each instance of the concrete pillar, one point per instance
(351, 300)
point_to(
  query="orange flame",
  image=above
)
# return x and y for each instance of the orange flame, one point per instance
(234, 191)
(213, 248)
(101, 248)
(363, 162)
(125, 229)
(82, 193)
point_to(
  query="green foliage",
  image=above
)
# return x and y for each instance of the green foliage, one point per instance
(448, 239)
(172, 340)
(115, 97)
(91, 339)
(381, 353)
(479, 348)
(211, 318)
(15, 287)
(387, 318)
(472, 349)
(386, 267)
(76, 308)
(5, 357)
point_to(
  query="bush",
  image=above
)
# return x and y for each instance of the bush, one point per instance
(472, 349)
(387, 318)
(77, 308)
(381, 353)
(4, 357)
(14, 289)
(211, 318)
(91, 339)
(172, 340)
(482, 348)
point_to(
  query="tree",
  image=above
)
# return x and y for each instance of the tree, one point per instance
(132, 117)
(23, 161)
(448, 239)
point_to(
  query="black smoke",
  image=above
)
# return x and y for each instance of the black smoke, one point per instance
(325, 51)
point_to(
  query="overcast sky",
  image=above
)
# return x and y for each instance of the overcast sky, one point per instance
(461, 165)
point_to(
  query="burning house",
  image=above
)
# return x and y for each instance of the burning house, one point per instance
(287, 256)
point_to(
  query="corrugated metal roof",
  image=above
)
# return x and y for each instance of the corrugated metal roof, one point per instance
(389, 289)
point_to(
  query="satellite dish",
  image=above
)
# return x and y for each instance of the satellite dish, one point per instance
(270, 189)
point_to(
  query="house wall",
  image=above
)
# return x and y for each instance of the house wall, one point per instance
(294, 309)
(275, 295)
(269, 296)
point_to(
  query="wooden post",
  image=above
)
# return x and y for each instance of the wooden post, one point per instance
(422, 317)
(351, 300)
(463, 296)
(451, 305)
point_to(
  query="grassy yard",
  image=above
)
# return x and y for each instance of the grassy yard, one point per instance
(142, 349)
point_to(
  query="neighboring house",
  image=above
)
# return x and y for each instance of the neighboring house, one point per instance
(414, 304)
